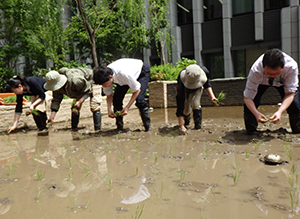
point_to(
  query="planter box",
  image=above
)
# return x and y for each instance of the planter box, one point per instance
(162, 94)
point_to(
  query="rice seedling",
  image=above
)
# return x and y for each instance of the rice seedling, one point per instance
(161, 190)
(118, 113)
(138, 211)
(87, 169)
(194, 161)
(86, 205)
(214, 195)
(70, 163)
(221, 96)
(206, 150)
(121, 155)
(236, 172)
(204, 199)
(39, 194)
(34, 112)
(170, 150)
(256, 147)
(181, 174)
(70, 175)
(40, 175)
(247, 153)
(288, 151)
(136, 170)
(74, 204)
(155, 157)
(110, 184)
(138, 147)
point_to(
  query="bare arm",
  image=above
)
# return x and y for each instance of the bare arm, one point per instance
(109, 100)
(210, 94)
(14, 126)
(35, 104)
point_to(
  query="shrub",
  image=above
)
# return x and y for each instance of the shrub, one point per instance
(168, 72)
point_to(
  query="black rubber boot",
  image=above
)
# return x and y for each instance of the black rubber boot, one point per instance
(145, 118)
(250, 123)
(97, 120)
(295, 123)
(40, 120)
(187, 120)
(75, 119)
(197, 115)
(119, 119)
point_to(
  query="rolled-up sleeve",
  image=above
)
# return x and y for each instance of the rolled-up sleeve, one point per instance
(291, 81)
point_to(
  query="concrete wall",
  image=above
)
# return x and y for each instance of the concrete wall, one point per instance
(162, 94)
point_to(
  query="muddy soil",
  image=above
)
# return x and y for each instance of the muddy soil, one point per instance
(215, 172)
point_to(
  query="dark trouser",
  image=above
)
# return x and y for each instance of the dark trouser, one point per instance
(140, 101)
(293, 110)
(40, 120)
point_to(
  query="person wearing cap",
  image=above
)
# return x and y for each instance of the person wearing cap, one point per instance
(125, 73)
(75, 83)
(273, 68)
(190, 84)
(30, 86)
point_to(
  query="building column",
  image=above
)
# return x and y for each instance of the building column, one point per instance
(198, 19)
(176, 45)
(259, 20)
(227, 14)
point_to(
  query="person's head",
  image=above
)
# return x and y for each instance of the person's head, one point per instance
(193, 77)
(17, 84)
(103, 76)
(54, 81)
(273, 63)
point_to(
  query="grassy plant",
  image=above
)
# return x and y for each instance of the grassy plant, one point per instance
(86, 205)
(138, 211)
(214, 195)
(136, 170)
(256, 147)
(194, 161)
(170, 150)
(293, 193)
(206, 151)
(70, 174)
(39, 194)
(288, 151)
(121, 155)
(40, 175)
(138, 147)
(74, 204)
(155, 157)
(70, 163)
(247, 153)
(118, 113)
(110, 184)
(181, 174)
(221, 96)
(161, 190)
(236, 172)
(87, 169)
(34, 112)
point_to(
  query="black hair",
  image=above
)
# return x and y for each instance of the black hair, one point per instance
(102, 74)
(15, 82)
(273, 58)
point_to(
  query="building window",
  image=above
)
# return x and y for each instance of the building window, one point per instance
(239, 60)
(275, 4)
(242, 7)
(185, 12)
(212, 9)
(215, 65)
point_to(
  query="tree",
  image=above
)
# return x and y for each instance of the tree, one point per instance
(159, 26)
(110, 28)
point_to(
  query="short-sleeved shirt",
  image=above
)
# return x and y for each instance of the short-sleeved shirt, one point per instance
(126, 71)
(288, 77)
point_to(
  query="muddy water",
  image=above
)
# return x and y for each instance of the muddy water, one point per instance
(210, 173)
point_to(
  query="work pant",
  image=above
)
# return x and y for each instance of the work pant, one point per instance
(193, 101)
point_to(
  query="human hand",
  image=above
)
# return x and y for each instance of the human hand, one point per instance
(11, 129)
(261, 118)
(124, 111)
(276, 117)
(215, 101)
(31, 108)
(111, 113)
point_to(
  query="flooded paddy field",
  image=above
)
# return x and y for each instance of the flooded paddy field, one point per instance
(212, 173)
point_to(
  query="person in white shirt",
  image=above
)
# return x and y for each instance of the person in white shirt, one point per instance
(125, 73)
(277, 69)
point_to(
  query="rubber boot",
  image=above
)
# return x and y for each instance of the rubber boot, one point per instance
(197, 114)
(187, 120)
(119, 119)
(295, 123)
(97, 120)
(75, 119)
(250, 123)
(145, 118)
(40, 120)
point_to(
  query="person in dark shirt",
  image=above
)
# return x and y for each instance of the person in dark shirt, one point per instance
(191, 81)
(30, 86)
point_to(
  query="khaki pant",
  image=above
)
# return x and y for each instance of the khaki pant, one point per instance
(45, 104)
(193, 101)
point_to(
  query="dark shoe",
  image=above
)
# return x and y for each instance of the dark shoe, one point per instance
(197, 115)
(75, 119)
(97, 120)
(295, 123)
(187, 120)
(145, 118)
(250, 123)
